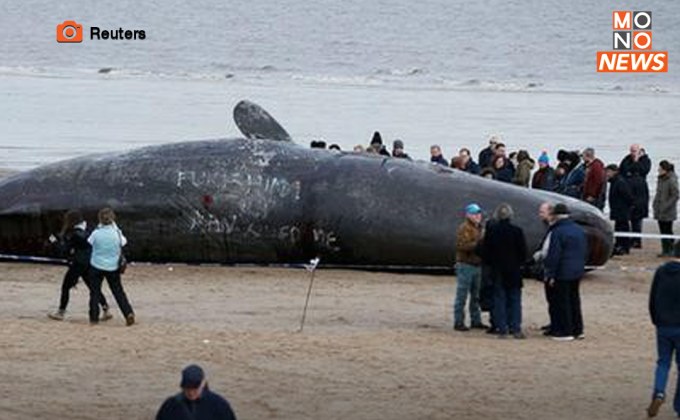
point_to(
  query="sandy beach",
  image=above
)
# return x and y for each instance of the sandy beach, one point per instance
(375, 346)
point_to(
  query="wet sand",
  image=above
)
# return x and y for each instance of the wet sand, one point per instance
(375, 346)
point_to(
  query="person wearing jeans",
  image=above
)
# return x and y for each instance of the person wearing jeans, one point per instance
(468, 270)
(504, 250)
(107, 242)
(665, 314)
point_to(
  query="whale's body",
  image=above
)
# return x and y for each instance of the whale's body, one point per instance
(265, 201)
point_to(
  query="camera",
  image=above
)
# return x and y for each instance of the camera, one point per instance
(70, 31)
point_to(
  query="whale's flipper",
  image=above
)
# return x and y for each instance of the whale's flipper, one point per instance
(256, 123)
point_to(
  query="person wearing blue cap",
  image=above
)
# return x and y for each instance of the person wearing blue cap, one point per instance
(196, 401)
(468, 269)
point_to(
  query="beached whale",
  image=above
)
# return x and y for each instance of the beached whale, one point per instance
(250, 200)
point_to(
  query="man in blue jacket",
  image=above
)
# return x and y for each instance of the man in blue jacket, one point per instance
(196, 401)
(665, 313)
(564, 266)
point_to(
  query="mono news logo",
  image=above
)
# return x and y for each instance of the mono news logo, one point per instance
(632, 46)
(71, 31)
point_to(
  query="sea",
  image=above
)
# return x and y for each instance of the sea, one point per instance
(443, 72)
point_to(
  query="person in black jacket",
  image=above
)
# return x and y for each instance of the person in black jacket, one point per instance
(377, 145)
(504, 251)
(436, 155)
(486, 155)
(634, 168)
(72, 242)
(620, 207)
(665, 314)
(196, 401)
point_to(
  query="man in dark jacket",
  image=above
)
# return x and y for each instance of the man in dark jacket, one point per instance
(634, 168)
(564, 266)
(504, 250)
(398, 150)
(196, 401)
(467, 164)
(436, 155)
(486, 155)
(665, 313)
(72, 244)
(620, 207)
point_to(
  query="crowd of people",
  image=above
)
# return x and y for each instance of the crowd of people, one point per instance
(577, 174)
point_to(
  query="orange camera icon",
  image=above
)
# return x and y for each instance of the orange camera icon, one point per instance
(70, 31)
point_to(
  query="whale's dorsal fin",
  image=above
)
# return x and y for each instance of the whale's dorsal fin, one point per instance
(256, 123)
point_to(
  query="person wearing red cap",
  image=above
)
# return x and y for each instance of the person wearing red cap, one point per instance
(196, 401)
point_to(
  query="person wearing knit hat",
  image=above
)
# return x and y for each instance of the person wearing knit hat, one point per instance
(398, 150)
(377, 144)
(544, 178)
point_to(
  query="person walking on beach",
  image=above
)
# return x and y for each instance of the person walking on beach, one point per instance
(564, 266)
(595, 184)
(196, 401)
(665, 204)
(665, 314)
(620, 207)
(634, 168)
(468, 270)
(73, 243)
(544, 178)
(504, 250)
(107, 242)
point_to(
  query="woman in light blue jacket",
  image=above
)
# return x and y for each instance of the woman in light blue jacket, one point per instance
(107, 243)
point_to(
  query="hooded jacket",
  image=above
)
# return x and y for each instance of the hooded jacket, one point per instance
(666, 199)
(665, 295)
(523, 173)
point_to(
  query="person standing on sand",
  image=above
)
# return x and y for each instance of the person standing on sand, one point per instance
(486, 155)
(436, 155)
(665, 314)
(107, 243)
(196, 401)
(564, 267)
(468, 271)
(595, 184)
(545, 214)
(504, 250)
(666, 204)
(73, 244)
(634, 168)
(620, 207)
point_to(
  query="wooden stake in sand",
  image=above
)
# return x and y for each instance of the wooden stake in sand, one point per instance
(311, 268)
